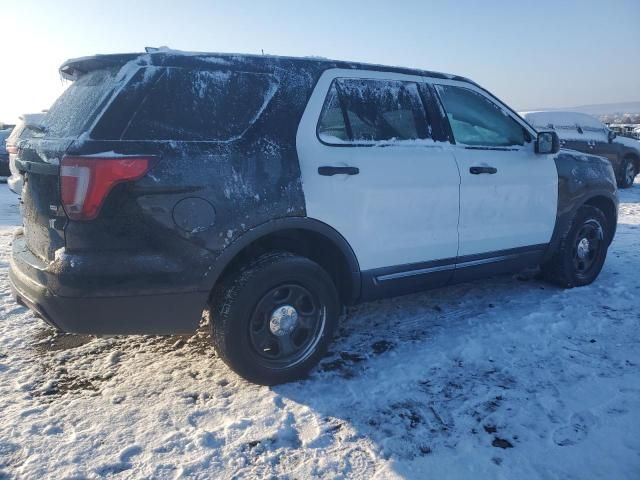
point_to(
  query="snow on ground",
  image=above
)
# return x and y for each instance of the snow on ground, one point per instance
(503, 378)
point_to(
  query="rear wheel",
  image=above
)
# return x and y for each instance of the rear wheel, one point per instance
(582, 251)
(273, 319)
(629, 172)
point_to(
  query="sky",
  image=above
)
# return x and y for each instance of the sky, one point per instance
(535, 54)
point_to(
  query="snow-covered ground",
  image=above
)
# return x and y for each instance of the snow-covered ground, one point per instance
(503, 378)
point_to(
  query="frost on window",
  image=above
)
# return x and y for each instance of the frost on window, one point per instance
(80, 103)
(476, 121)
(332, 128)
(368, 111)
(201, 105)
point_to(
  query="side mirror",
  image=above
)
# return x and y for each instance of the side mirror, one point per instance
(611, 135)
(547, 142)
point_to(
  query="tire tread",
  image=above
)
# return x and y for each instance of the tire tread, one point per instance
(555, 269)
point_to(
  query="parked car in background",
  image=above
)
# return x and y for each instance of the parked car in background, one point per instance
(26, 126)
(582, 132)
(631, 130)
(4, 155)
(271, 191)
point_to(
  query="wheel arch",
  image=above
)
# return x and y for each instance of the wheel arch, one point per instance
(607, 206)
(635, 157)
(572, 196)
(300, 235)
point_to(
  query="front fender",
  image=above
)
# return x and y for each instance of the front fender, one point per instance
(581, 179)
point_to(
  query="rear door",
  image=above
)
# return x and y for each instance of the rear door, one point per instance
(39, 157)
(508, 193)
(572, 137)
(371, 170)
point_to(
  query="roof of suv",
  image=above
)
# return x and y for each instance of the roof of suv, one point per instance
(74, 68)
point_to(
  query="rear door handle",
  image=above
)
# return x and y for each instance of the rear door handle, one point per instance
(479, 170)
(330, 171)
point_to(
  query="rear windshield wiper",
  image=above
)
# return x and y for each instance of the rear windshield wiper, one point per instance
(36, 127)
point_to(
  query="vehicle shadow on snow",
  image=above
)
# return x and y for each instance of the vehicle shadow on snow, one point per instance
(632, 194)
(58, 381)
(427, 372)
(399, 374)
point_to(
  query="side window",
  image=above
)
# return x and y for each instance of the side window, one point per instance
(332, 127)
(593, 131)
(201, 105)
(477, 121)
(370, 111)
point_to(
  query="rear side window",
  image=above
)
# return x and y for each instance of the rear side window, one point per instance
(369, 111)
(76, 109)
(476, 121)
(201, 105)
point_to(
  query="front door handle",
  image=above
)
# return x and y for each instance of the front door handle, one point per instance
(330, 171)
(479, 170)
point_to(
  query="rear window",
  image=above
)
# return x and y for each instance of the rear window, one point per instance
(201, 105)
(367, 111)
(76, 109)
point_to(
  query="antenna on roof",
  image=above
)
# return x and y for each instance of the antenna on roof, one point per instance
(162, 48)
(262, 50)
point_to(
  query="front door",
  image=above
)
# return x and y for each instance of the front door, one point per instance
(508, 193)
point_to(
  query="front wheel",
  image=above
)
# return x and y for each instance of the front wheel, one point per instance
(582, 251)
(629, 172)
(273, 319)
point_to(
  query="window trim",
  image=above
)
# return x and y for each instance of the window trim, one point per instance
(533, 134)
(378, 144)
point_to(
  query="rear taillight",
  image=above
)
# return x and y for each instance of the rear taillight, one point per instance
(12, 149)
(85, 182)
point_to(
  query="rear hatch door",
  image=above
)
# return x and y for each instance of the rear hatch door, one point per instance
(69, 119)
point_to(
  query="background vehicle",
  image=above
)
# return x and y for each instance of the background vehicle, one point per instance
(20, 132)
(274, 190)
(631, 130)
(4, 155)
(582, 132)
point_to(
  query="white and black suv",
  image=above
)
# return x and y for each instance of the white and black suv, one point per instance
(273, 190)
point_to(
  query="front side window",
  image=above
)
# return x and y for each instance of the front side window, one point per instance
(477, 121)
(371, 111)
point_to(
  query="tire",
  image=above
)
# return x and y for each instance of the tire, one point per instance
(582, 250)
(629, 172)
(273, 319)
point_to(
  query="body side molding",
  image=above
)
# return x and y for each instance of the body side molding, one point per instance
(402, 279)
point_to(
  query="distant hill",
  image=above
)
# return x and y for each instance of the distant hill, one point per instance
(623, 112)
(599, 109)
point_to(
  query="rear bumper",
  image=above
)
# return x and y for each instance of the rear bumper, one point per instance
(156, 314)
(15, 183)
